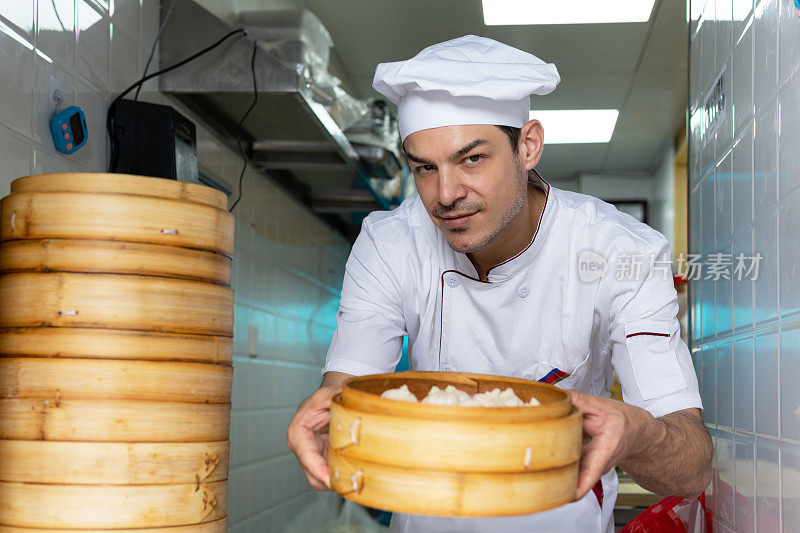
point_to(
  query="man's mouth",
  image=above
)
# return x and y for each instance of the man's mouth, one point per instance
(457, 221)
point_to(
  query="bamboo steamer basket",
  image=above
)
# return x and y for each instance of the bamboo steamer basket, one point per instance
(110, 257)
(113, 463)
(98, 343)
(125, 208)
(112, 420)
(39, 505)
(217, 526)
(451, 460)
(99, 379)
(115, 301)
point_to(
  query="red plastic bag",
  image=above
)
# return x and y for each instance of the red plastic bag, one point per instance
(672, 515)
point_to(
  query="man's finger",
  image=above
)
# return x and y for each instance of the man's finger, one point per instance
(310, 456)
(585, 402)
(594, 464)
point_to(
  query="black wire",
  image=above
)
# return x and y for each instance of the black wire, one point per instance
(241, 121)
(112, 166)
(153, 48)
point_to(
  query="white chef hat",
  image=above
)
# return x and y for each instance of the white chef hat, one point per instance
(468, 80)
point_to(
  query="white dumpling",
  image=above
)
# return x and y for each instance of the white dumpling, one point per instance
(402, 394)
(449, 396)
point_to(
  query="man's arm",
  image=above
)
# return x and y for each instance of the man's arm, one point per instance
(308, 433)
(670, 455)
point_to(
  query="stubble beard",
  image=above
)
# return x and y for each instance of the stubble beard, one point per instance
(520, 190)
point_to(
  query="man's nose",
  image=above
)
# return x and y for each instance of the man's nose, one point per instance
(451, 187)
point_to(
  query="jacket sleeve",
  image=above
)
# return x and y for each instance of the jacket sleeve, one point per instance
(369, 324)
(653, 363)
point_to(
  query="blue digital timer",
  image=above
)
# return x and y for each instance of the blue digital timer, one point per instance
(68, 128)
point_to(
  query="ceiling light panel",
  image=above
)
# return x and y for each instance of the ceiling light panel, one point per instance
(516, 12)
(568, 126)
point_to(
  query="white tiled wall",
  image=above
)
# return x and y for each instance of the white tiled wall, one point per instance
(745, 197)
(288, 266)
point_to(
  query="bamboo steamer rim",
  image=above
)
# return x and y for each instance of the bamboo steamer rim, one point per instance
(362, 393)
(116, 217)
(117, 301)
(217, 526)
(451, 494)
(114, 257)
(108, 379)
(107, 343)
(113, 463)
(41, 505)
(454, 445)
(128, 184)
(113, 420)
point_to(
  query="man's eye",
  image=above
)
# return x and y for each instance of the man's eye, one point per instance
(475, 158)
(424, 168)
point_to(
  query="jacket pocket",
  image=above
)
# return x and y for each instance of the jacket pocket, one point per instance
(654, 361)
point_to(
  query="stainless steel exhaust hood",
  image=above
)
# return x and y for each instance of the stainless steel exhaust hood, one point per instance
(290, 133)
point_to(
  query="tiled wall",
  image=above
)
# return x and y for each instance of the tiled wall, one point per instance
(288, 266)
(745, 197)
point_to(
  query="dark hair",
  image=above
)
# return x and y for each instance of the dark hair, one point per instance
(513, 137)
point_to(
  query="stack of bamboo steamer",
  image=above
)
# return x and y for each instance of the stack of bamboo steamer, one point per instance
(450, 460)
(116, 318)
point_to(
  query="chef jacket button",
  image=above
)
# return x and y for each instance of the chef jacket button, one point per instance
(524, 291)
(528, 376)
(452, 281)
(447, 367)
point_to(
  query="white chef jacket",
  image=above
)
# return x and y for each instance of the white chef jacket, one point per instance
(538, 314)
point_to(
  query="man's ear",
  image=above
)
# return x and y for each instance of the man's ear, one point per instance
(531, 140)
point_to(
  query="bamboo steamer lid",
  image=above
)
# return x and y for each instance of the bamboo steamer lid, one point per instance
(116, 217)
(100, 379)
(109, 257)
(113, 463)
(440, 493)
(110, 506)
(112, 420)
(115, 301)
(217, 526)
(114, 344)
(455, 445)
(89, 182)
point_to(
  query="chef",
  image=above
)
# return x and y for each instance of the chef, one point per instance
(492, 270)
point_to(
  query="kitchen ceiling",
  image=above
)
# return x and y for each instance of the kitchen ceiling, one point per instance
(638, 68)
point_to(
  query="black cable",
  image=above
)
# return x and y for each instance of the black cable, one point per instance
(153, 48)
(241, 121)
(109, 122)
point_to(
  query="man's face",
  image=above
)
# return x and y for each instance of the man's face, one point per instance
(469, 180)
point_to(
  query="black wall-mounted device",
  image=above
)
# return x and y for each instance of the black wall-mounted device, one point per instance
(153, 140)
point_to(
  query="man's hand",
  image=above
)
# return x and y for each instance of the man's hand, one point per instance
(308, 434)
(670, 456)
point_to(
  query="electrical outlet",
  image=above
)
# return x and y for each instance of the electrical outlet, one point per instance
(58, 92)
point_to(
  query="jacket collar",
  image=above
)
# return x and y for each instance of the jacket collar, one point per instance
(513, 265)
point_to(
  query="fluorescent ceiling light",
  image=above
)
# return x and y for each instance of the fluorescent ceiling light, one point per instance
(512, 12)
(576, 125)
